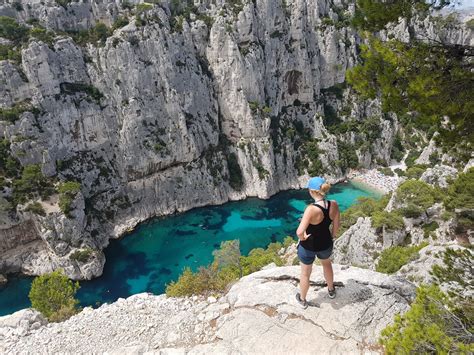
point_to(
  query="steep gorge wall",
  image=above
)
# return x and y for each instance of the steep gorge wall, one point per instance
(181, 105)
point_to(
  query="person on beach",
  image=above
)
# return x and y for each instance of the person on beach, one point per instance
(315, 237)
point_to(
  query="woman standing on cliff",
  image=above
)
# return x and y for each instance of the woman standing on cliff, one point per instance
(315, 237)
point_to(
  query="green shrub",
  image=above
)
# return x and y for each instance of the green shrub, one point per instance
(288, 241)
(262, 172)
(398, 150)
(254, 106)
(236, 180)
(208, 20)
(95, 35)
(371, 128)
(228, 255)
(11, 30)
(64, 3)
(17, 6)
(119, 23)
(428, 327)
(143, 7)
(53, 295)
(42, 34)
(89, 90)
(460, 198)
(330, 117)
(470, 24)
(36, 208)
(457, 268)
(9, 166)
(326, 21)
(460, 192)
(259, 257)
(82, 256)
(13, 113)
(31, 184)
(417, 193)
(337, 90)
(393, 258)
(225, 269)
(390, 220)
(10, 53)
(205, 281)
(429, 228)
(411, 157)
(347, 155)
(411, 211)
(386, 171)
(415, 171)
(312, 154)
(365, 207)
(67, 192)
(399, 172)
(126, 5)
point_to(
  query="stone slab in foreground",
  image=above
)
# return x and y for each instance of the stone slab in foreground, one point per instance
(258, 315)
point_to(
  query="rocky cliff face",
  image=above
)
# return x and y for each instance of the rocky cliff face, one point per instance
(169, 112)
(259, 314)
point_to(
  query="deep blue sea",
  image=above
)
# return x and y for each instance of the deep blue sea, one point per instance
(157, 251)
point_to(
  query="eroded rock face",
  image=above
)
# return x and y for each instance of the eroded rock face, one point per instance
(439, 175)
(418, 271)
(259, 314)
(359, 245)
(178, 107)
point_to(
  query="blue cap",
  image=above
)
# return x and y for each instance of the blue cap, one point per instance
(315, 183)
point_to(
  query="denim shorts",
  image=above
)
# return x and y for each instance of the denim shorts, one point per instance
(307, 256)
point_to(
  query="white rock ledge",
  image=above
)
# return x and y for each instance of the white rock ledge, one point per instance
(259, 314)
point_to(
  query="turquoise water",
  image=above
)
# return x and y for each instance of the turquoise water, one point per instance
(156, 252)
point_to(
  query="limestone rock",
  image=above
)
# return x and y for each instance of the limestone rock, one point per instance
(259, 314)
(430, 149)
(359, 245)
(3, 280)
(147, 121)
(439, 175)
(418, 271)
(19, 324)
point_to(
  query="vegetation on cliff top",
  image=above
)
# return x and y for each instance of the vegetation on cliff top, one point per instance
(53, 295)
(228, 266)
(427, 78)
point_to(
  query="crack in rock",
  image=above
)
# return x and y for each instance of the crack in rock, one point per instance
(329, 334)
(296, 279)
(407, 293)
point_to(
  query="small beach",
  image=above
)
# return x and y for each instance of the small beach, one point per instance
(374, 180)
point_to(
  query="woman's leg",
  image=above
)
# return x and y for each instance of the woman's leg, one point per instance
(328, 273)
(304, 279)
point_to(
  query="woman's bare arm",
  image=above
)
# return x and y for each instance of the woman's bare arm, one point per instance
(301, 231)
(336, 218)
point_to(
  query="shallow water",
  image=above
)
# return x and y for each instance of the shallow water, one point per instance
(156, 252)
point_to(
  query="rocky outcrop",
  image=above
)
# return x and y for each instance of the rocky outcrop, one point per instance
(419, 271)
(439, 175)
(39, 244)
(18, 235)
(259, 314)
(360, 245)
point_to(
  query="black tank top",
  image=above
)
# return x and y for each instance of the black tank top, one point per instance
(320, 238)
